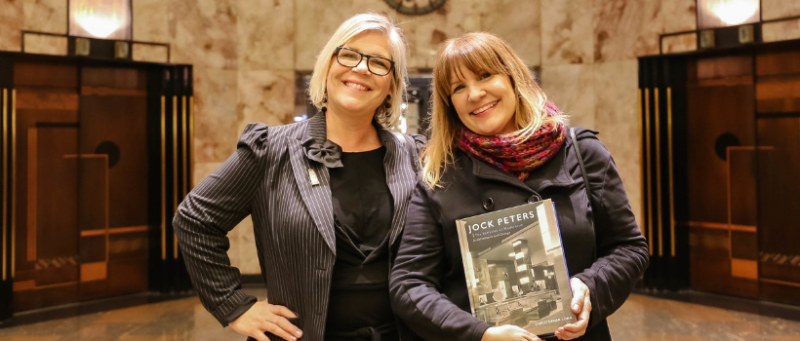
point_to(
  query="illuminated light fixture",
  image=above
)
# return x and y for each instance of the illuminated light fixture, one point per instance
(724, 13)
(522, 267)
(516, 243)
(103, 19)
(512, 254)
(524, 280)
(520, 255)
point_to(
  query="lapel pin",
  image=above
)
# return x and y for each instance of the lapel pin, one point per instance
(312, 175)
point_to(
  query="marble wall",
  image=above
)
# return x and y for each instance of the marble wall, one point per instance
(245, 54)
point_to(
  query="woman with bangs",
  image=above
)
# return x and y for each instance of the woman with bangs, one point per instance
(497, 143)
(328, 198)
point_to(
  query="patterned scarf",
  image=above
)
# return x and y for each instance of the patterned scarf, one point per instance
(518, 158)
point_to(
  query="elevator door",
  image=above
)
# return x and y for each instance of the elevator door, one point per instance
(81, 187)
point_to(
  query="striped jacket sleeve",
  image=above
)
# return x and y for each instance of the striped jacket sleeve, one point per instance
(209, 212)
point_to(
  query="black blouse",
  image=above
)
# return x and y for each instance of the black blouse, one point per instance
(363, 209)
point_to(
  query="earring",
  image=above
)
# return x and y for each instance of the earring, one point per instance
(388, 103)
(324, 108)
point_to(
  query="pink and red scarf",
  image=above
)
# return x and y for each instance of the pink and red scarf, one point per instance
(519, 158)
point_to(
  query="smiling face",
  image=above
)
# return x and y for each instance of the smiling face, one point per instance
(485, 102)
(356, 90)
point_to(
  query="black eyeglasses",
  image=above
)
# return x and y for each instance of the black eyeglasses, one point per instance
(376, 64)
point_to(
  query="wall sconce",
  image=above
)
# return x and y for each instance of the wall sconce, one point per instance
(724, 13)
(100, 19)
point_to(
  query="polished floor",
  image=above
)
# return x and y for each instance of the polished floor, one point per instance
(642, 318)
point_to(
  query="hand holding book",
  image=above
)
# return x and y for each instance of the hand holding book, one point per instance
(581, 306)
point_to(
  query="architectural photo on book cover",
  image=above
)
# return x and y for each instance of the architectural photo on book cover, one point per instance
(515, 268)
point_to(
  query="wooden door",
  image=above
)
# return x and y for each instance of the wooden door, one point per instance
(721, 177)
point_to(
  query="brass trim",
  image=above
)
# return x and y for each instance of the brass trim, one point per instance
(191, 142)
(185, 141)
(641, 137)
(5, 179)
(658, 177)
(163, 179)
(13, 177)
(175, 183)
(671, 177)
(775, 281)
(649, 175)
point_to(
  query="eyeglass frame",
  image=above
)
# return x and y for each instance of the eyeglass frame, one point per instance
(362, 55)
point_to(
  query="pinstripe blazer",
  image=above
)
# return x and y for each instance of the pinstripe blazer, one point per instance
(268, 177)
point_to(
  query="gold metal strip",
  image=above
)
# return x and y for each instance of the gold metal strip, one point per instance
(5, 178)
(775, 281)
(191, 142)
(658, 177)
(648, 170)
(641, 136)
(671, 177)
(163, 179)
(13, 176)
(175, 183)
(185, 142)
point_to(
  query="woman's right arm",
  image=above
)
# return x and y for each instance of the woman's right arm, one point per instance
(414, 281)
(202, 223)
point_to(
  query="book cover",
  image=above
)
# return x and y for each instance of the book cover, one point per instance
(515, 268)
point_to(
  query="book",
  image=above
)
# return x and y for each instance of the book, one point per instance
(515, 268)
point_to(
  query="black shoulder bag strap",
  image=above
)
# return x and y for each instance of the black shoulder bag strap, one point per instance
(586, 184)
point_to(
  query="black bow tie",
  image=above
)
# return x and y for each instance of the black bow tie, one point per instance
(327, 153)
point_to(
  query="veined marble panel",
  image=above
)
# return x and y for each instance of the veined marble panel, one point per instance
(679, 43)
(215, 101)
(150, 53)
(265, 96)
(45, 16)
(617, 119)
(781, 30)
(243, 252)
(776, 9)
(45, 44)
(204, 33)
(11, 24)
(200, 170)
(571, 88)
(627, 29)
(431, 30)
(519, 24)
(266, 35)
(567, 35)
(150, 21)
(317, 23)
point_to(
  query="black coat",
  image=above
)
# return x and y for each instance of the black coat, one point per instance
(427, 283)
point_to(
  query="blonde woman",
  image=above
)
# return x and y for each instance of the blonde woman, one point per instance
(327, 196)
(497, 143)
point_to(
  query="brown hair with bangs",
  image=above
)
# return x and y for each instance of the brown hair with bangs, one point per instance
(478, 52)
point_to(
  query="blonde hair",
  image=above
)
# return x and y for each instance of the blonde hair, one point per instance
(347, 31)
(479, 52)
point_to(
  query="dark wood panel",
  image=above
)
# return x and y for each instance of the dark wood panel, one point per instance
(722, 67)
(714, 112)
(778, 63)
(55, 190)
(127, 276)
(714, 275)
(40, 298)
(788, 294)
(44, 99)
(744, 245)
(778, 95)
(93, 196)
(781, 272)
(45, 74)
(115, 78)
(709, 243)
(778, 200)
(742, 165)
(128, 245)
(93, 249)
(119, 123)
